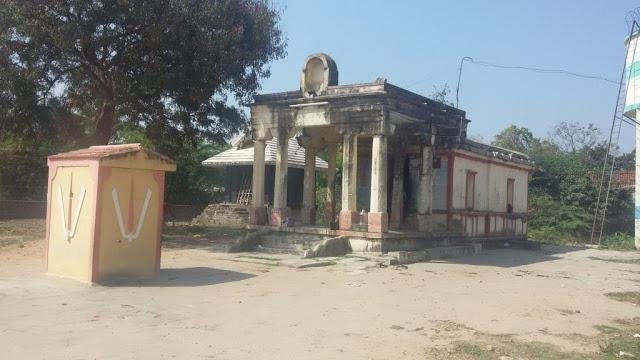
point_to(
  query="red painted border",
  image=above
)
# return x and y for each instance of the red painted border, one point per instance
(486, 160)
(101, 176)
(53, 170)
(450, 160)
(158, 175)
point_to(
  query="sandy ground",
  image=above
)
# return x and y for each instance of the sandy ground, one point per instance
(212, 305)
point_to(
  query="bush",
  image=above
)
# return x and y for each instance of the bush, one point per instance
(619, 241)
(550, 220)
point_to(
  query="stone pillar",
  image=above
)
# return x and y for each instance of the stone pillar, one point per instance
(349, 213)
(425, 189)
(257, 211)
(397, 196)
(378, 219)
(280, 211)
(309, 186)
(330, 201)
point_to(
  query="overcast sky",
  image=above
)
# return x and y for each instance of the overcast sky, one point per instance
(418, 45)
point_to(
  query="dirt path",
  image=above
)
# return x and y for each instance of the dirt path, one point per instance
(211, 305)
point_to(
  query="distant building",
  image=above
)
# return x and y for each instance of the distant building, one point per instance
(237, 163)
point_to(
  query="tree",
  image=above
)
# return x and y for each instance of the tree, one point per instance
(562, 190)
(167, 65)
(516, 138)
(573, 136)
(442, 95)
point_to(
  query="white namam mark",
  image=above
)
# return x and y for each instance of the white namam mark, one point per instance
(69, 233)
(143, 213)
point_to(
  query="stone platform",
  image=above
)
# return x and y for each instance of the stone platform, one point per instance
(370, 242)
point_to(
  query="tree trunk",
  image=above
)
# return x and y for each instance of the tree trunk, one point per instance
(105, 121)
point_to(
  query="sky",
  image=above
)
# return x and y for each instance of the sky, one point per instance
(418, 45)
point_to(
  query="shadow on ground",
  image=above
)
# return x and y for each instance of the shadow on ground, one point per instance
(211, 238)
(513, 257)
(183, 277)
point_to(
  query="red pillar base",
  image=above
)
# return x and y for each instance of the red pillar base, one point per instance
(258, 215)
(378, 222)
(348, 219)
(279, 216)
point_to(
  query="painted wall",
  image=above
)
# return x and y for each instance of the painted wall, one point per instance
(489, 216)
(70, 213)
(139, 254)
(491, 185)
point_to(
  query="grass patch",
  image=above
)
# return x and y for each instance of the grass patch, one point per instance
(619, 241)
(635, 261)
(21, 231)
(625, 296)
(611, 342)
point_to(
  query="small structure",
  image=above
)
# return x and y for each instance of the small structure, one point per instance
(409, 173)
(104, 212)
(237, 163)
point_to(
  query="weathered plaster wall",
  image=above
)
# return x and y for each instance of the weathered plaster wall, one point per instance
(491, 185)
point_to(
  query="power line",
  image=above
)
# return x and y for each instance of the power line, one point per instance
(525, 68)
(541, 70)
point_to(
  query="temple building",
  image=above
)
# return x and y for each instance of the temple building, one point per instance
(409, 173)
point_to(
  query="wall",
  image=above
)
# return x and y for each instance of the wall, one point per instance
(22, 209)
(117, 255)
(489, 216)
(70, 257)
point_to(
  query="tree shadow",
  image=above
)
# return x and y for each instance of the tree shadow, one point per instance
(508, 258)
(180, 277)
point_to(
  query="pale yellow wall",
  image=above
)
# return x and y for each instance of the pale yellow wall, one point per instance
(71, 258)
(118, 256)
(490, 195)
(491, 186)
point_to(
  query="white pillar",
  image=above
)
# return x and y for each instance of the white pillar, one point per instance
(258, 173)
(425, 184)
(280, 183)
(378, 174)
(330, 201)
(309, 185)
(349, 212)
(349, 169)
(378, 219)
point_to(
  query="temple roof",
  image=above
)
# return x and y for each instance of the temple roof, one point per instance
(241, 153)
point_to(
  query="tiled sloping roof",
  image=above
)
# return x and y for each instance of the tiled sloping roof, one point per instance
(106, 151)
(244, 156)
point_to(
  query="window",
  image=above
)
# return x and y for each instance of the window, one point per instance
(470, 190)
(510, 185)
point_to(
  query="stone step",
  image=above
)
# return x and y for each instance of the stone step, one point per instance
(409, 257)
(279, 250)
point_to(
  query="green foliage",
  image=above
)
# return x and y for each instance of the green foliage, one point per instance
(152, 62)
(191, 183)
(516, 138)
(619, 241)
(563, 189)
(442, 94)
(168, 74)
(551, 220)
